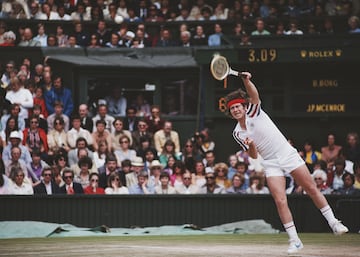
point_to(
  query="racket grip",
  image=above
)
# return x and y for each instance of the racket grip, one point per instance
(233, 72)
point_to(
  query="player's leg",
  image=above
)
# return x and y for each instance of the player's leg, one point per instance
(276, 185)
(303, 178)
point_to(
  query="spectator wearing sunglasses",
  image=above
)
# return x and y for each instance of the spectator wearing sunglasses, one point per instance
(93, 187)
(47, 185)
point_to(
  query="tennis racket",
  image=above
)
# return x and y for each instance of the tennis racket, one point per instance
(220, 68)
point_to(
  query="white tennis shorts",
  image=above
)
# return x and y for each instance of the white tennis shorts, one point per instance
(283, 164)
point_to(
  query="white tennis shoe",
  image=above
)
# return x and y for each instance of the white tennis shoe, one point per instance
(295, 246)
(338, 228)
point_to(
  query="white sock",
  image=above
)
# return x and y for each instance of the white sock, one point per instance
(291, 230)
(328, 213)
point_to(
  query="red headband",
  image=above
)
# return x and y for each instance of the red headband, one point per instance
(235, 101)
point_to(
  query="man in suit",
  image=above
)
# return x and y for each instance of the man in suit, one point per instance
(142, 131)
(86, 120)
(47, 185)
(70, 187)
(130, 121)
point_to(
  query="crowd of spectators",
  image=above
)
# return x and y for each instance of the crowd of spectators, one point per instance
(123, 23)
(49, 146)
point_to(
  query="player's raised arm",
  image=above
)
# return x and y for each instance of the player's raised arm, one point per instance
(250, 88)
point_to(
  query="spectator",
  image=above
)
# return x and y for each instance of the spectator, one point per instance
(348, 185)
(232, 170)
(28, 39)
(82, 37)
(130, 121)
(189, 155)
(47, 13)
(102, 114)
(15, 161)
(101, 153)
(35, 167)
(178, 171)
(293, 29)
(110, 166)
(62, 38)
(77, 131)
(19, 185)
(200, 38)
(141, 187)
(70, 186)
(58, 113)
(103, 33)
(7, 75)
(164, 187)
(118, 132)
(356, 169)
(116, 102)
(47, 185)
(142, 106)
(199, 175)
(210, 187)
(215, 39)
(165, 39)
(331, 151)
(242, 168)
(257, 184)
(153, 15)
(101, 134)
(320, 178)
(125, 152)
(209, 159)
(11, 125)
(80, 13)
(237, 183)
(167, 151)
(94, 41)
(114, 186)
(137, 165)
(40, 101)
(352, 147)
(187, 187)
(260, 28)
(72, 42)
(335, 177)
(221, 171)
(311, 156)
(83, 169)
(81, 143)
(14, 141)
(9, 38)
(20, 96)
(62, 13)
(59, 93)
(57, 139)
(86, 121)
(161, 136)
(185, 37)
(354, 23)
(93, 188)
(155, 121)
(35, 138)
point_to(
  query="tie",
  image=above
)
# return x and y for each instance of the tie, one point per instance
(70, 190)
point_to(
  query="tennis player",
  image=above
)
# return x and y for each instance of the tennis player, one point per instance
(257, 134)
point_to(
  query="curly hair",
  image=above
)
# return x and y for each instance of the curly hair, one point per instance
(234, 95)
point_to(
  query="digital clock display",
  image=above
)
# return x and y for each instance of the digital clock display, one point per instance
(259, 55)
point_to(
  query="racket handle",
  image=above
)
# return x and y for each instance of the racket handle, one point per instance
(234, 72)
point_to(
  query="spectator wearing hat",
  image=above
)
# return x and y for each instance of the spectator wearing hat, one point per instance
(142, 186)
(15, 140)
(58, 93)
(155, 168)
(164, 188)
(58, 112)
(137, 165)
